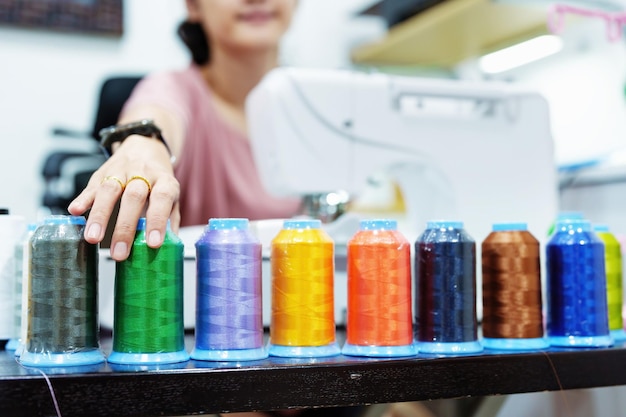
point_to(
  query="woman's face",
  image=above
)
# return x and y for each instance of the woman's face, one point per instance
(243, 24)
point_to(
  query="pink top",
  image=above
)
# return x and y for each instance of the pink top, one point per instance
(216, 168)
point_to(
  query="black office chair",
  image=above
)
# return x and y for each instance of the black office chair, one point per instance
(66, 173)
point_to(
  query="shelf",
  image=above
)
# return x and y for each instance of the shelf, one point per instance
(452, 31)
(203, 387)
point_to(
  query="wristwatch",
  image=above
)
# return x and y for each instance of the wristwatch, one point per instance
(118, 133)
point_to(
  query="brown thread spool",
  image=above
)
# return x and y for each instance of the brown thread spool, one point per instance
(512, 302)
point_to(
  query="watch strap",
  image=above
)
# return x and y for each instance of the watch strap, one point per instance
(118, 133)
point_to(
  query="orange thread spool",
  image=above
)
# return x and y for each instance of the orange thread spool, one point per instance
(303, 319)
(379, 292)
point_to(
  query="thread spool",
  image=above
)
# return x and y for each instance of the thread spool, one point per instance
(63, 296)
(379, 319)
(577, 307)
(445, 271)
(11, 228)
(512, 302)
(229, 313)
(614, 280)
(20, 288)
(148, 326)
(302, 264)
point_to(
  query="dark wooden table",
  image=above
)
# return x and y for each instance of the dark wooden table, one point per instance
(199, 387)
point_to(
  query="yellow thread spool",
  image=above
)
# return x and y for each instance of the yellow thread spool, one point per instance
(613, 268)
(302, 263)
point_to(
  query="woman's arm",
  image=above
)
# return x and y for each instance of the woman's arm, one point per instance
(143, 158)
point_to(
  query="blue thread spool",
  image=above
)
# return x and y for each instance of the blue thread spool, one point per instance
(577, 306)
(445, 271)
(63, 296)
(229, 314)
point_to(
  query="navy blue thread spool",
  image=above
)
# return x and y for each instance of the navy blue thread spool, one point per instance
(577, 304)
(229, 314)
(445, 271)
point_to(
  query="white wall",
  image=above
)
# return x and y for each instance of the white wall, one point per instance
(584, 85)
(50, 79)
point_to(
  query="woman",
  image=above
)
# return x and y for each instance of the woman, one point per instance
(200, 112)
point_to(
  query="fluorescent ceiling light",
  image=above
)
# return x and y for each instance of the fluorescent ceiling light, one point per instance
(521, 54)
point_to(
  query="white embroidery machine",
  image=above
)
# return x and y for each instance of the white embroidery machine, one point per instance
(476, 152)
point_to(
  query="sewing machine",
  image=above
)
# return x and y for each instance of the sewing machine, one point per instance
(479, 152)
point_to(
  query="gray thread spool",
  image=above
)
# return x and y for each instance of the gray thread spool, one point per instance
(63, 296)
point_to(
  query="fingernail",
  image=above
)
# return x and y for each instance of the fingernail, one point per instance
(94, 231)
(119, 250)
(155, 238)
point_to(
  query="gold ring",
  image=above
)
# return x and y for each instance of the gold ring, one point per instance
(114, 178)
(139, 177)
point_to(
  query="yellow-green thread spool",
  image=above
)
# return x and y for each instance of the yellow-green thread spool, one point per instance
(613, 267)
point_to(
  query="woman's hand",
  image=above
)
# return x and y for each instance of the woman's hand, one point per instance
(140, 176)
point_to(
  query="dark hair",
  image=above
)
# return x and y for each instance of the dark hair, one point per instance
(194, 37)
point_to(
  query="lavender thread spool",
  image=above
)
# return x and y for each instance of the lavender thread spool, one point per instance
(229, 315)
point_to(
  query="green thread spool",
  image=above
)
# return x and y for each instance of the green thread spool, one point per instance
(613, 267)
(148, 326)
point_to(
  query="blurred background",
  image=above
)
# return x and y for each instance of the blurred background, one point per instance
(50, 77)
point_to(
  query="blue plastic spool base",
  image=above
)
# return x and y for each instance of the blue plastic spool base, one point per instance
(450, 348)
(581, 341)
(331, 349)
(91, 357)
(537, 343)
(227, 355)
(618, 335)
(379, 351)
(12, 345)
(148, 358)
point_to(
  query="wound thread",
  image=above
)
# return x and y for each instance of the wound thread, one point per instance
(229, 314)
(577, 306)
(379, 291)
(302, 263)
(613, 270)
(511, 277)
(63, 296)
(148, 324)
(445, 271)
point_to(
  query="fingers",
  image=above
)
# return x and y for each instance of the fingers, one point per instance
(108, 190)
(133, 192)
(132, 207)
(163, 205)
(161, 196)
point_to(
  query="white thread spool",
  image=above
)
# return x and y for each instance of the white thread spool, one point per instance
(11, 229)
(22, 254)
